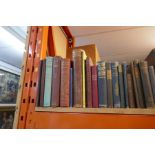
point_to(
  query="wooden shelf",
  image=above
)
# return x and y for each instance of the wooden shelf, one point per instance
(128, 111)
(7, 105)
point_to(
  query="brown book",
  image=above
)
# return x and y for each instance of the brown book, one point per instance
(65, 78)
(149, 101)
(141, 103)
(56, 81)
(151, 58)
(94, 87)
(88, 83)
(77, 78)
(42, 86)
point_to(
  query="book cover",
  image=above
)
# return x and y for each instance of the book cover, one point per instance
(121, 86)
(94, 87)
(102, 84)
(115, 85)
(124, 66)
(65, 83)
(55, 102)
(152, 80)
(141, 103)
(71, 88)
(146, 84)
(48, 82)
(77, 78)
(109, 85)
(88, 83)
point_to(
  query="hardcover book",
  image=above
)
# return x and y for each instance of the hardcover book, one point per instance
(115, 84)
(94, 87)
(55, 101)
(146, 84)
(102, 84)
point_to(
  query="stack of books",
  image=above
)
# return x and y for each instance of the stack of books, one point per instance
(79, 83)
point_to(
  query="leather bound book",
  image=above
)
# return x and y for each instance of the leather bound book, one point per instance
(135, 85)
(88, 83)
(71, 88)
(152, 79)
(56, 81)
(121, 86)
(94, 87)
(115, 85)
(149, 101)
(109, 85)
(65, 83)
(48, 82)
(141, 103)
(102, 83)
(77, 78)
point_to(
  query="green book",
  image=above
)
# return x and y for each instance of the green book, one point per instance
(48, 82)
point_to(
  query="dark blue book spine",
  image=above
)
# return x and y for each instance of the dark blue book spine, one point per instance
(102, 86)
(71, 88)
(121, 87)
(124, 65)
(115, 85)
(152, 79)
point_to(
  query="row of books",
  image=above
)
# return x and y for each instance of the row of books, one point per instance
(79, 83)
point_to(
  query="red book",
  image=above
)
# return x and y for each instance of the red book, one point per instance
(56, 81)
(65, 78)
(94, 87)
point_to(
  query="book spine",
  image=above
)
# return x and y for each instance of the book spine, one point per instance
(146, 84)
(65, 84)
(48, 82)
(83, 81)
(56, 81)
(141, 103)
(124, 66)
(77, 78)
(94, 87)
(71, 88)
(121, 86)
(115, 85)
(131, 99)
(102, 86)
(135, 85)
(109, 85)
(88, 84)
(152, 80)
(39, 84)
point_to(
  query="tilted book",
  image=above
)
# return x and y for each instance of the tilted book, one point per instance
(102, 84)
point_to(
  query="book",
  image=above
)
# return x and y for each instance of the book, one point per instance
(149, 101)
(115, 84)
(83, 79)
(109, 85)
(102, 83)
(94, 87)
(48, 82)
(124, 66)
(55, 101)
(140, 96)
(121, 86)
(77, 78)
(152, 80)
(65, 84)
(42, 85)
(151, 58)
(71, 88)
(134, 84)
(88, 83)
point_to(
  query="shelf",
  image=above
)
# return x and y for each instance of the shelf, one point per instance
(7, 105)
(128, 111)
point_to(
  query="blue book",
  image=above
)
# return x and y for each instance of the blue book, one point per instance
(102, 84)
(124, 65)
(71, 88)
(152, 80)
(48, 82)
(115, 85)
(121, 86)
